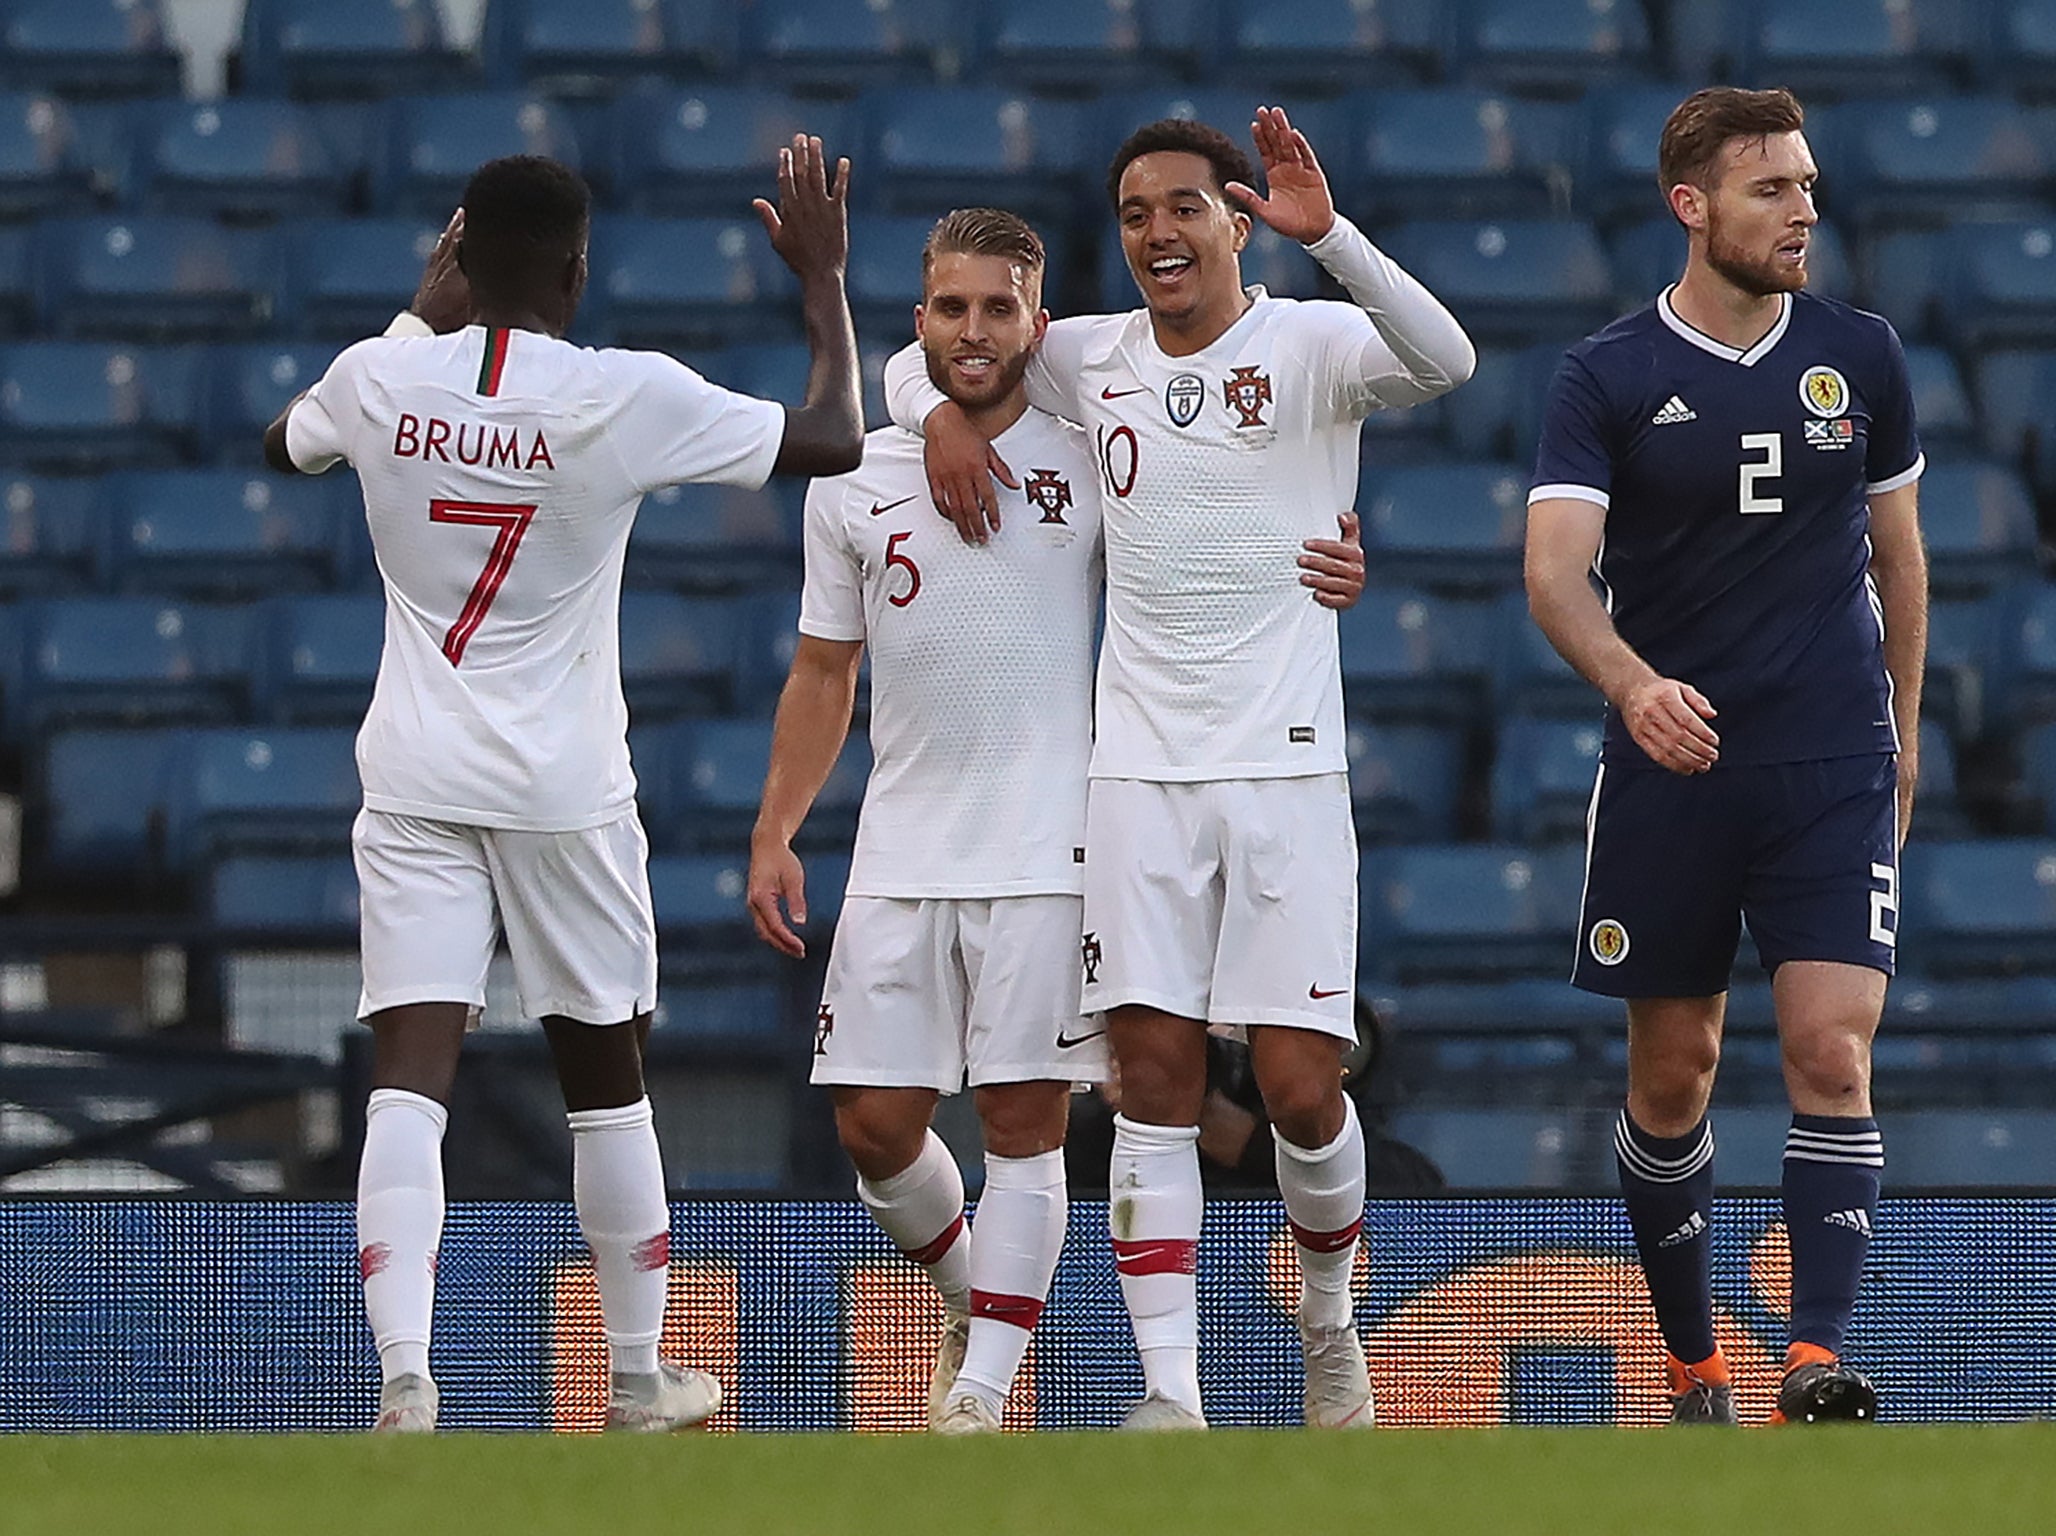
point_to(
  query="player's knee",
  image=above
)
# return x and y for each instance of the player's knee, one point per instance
(1305, 1108)
(1828, 1064)
(879, 1141)
(1023, 1119)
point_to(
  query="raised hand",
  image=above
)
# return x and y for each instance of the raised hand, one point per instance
(443, 301)
(810, 226)
(1300, 206)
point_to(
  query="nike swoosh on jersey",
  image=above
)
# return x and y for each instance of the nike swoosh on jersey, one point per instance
(1317, 994)
(877, 510)
(1064, 1043)
(1108, 392)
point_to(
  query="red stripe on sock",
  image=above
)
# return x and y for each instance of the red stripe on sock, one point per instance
(1326, 1242)
(373, 1258)
(930, 1252)
(653, 1252)
(1022, 1312)
(1157, 1256)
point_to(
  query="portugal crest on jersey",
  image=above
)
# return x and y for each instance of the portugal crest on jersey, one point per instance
(1048, 490)
(824, 1026)
(1823, 391)
(1248, 393)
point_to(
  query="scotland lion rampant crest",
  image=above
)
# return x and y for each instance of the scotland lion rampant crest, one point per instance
(1248, 393)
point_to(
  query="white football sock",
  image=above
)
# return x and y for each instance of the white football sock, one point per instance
(617, 1183)
(400, 1224)
(1324, 1199)
(1020, 1233)
(1154, 1216)
(921, 1208)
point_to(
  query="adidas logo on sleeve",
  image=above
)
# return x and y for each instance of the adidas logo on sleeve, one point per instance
(1674, 411)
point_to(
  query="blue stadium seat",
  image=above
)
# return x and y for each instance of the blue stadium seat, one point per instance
(1972, 1148)
(1403, 780)
(1479, 416)
(1827, 47)
(2025, 655)
(694, 281)
(103, 796)
(129, 661)
(17, 282)
(1409, 656)
(221, 533)
(736, 1017)
(248, 385)
(87, 48)
(40, 169)
(1328, 45)
(50, 542)
(722, 778)
(1962, 666)
(937, 147)
(709, 148)
(2001, 288)
(247, 789)
(155, 277)
(1542, 777)
(436, 142)
(344, 47)
(2023, 51)
(1979, 522)
(700, 896)
(308, 895)
(589, 47)
(1280, 265)
(1454, 153)
(1061, 44)
(90, 405)
(350, 276)
(1512, 280)
(714, 538)
(1937, 809)
(1941, 403)
(1230, 108)
(1986, 907)
(2038, 765)
(1529, 677)
(1505, 1147)
(1468, 911)
(239, 157)
(831, 45)
(2016, 410)
(1650, 256)
(1448, 527)
(1904, 279)
(1937, 158)
(1621, 128)
(1550, 44)
(320, 657)
(677, 654)
(885, 273)
(767, 635)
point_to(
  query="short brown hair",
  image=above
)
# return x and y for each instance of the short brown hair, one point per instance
(982, 232)
(1705, 121)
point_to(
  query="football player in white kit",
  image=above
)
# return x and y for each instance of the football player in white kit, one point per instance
(955, 958)
(501, 468)
(1220, 868)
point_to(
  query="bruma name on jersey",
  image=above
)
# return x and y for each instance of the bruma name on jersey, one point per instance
(981, 664)
(1736, 485)
(501, 472)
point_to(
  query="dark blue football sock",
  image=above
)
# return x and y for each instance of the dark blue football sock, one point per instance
(1832, 1166)
(1667, 1182)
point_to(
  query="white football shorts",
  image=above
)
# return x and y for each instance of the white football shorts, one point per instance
(1231, 901)
(434, 895)
(934, 994)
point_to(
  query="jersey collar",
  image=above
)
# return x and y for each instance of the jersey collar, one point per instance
(1705, 343)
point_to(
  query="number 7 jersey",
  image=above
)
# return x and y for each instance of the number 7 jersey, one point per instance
(1736, 484)
(501, 473)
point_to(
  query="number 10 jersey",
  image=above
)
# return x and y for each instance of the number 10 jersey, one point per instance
(501, 473)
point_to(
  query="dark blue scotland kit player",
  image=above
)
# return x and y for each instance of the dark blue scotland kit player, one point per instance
(1737, 465)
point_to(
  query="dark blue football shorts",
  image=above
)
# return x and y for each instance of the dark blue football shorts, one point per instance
(1805, 853)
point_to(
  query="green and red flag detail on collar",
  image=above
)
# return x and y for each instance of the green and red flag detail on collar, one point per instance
(494, 362)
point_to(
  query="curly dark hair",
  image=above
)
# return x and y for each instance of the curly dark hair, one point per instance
(524, 217)
(1185, 137)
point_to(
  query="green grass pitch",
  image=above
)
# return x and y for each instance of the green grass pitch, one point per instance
(1978, 1481)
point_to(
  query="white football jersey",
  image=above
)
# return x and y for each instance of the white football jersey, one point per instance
(1214, 469)
(981, 664)
(501, 471)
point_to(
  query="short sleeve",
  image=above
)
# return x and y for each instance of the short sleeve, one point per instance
(1575, 458)
(318, 424)
(832, 593)
(1894, 458)
(1052, 376)
(675, 427)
